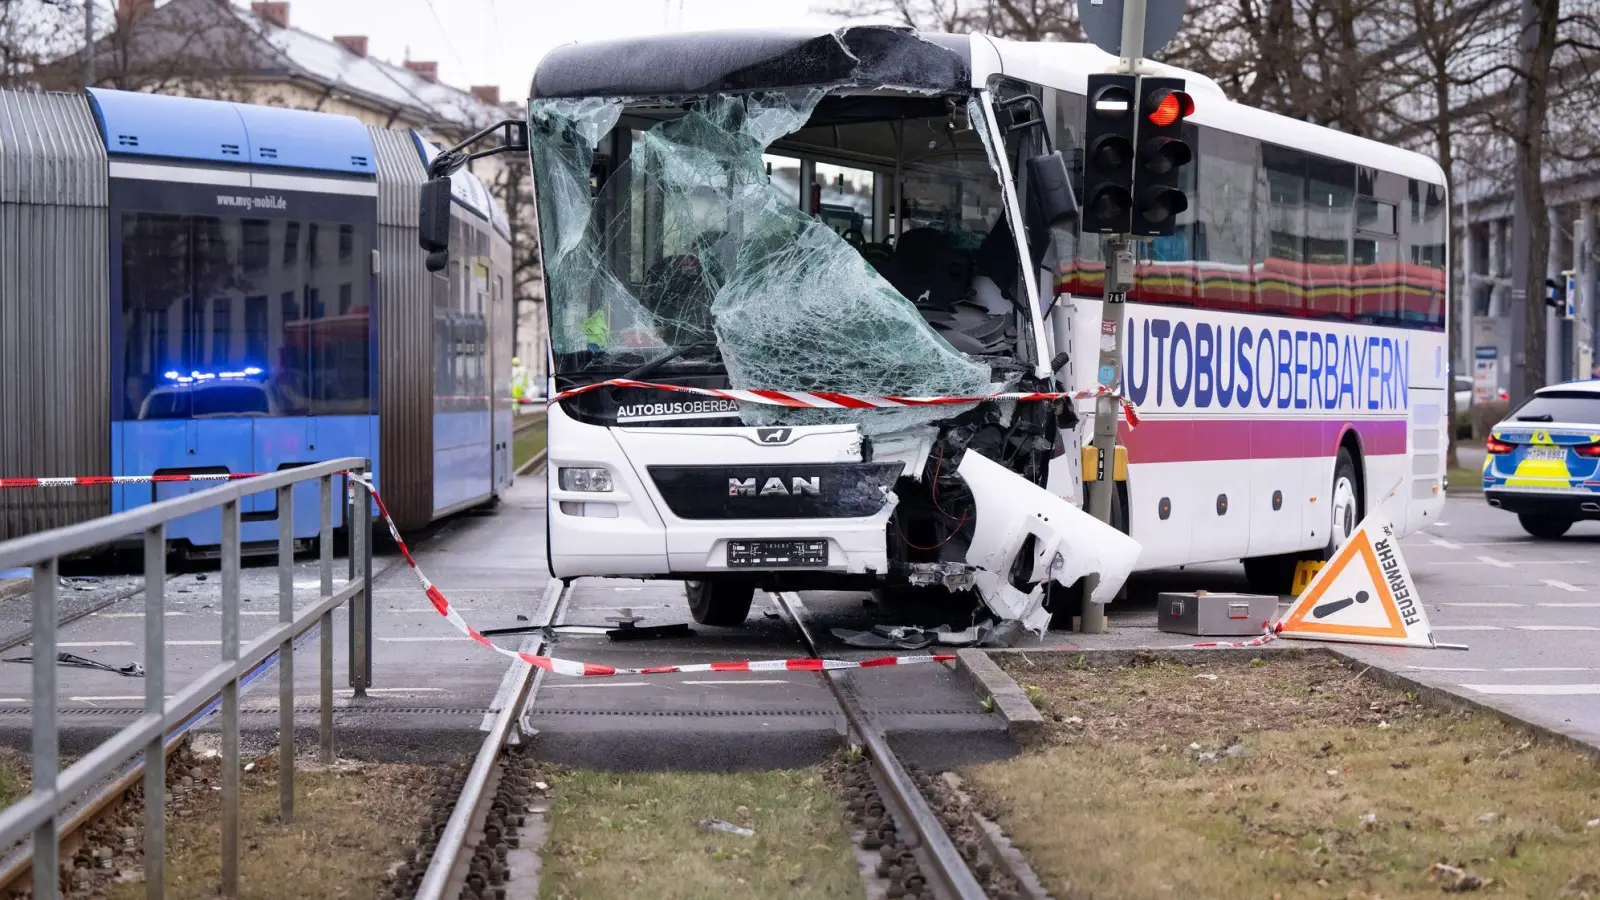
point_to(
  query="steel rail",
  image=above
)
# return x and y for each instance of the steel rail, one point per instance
(442, 879)
(949, 873)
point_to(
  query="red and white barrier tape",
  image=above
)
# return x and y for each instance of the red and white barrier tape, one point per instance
(830, 400)
(100, 480)
(442, 604)
(1253, 642)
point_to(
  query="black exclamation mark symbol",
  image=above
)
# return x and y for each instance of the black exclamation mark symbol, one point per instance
(1328, 609)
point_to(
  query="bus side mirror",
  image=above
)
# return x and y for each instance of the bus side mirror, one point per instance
(1050, 198)
(433, 222)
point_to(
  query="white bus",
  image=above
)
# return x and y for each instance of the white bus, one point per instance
(1285, 349)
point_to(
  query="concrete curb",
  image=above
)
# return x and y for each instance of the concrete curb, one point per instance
(11, 588)
(996, 683)
(1023, 721)
(1446, 699)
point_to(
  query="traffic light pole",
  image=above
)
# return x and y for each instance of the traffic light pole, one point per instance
(1113, 312)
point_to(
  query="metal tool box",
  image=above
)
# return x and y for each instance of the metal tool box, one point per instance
(1215, 615)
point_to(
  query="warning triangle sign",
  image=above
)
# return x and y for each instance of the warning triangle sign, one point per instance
(1363, 595)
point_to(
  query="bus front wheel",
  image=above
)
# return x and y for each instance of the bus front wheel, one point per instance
(723, 602)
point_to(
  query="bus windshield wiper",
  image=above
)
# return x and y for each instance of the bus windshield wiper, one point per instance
(1537, 417)
(667, 357)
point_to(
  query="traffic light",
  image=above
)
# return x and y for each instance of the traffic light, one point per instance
(1163, 106)
(1554, 296)
(1108, 135)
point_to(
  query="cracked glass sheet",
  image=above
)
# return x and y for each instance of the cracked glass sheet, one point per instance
(788, 302)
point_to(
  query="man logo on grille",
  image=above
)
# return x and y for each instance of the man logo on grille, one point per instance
(773, 435)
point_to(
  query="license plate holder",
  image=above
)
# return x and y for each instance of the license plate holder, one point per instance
(776, 554)
(1546, 454)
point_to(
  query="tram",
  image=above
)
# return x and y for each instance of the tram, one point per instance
(199, 286)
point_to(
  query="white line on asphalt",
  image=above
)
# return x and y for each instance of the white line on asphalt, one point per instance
(194, 643)
(13, 700)
(80, 644)
(135, 615)
(741, 681)
(119, 698)
(599, 684)
(1441, 542)
(1556, 627)
(1489, 560)
(420, 640)
(1548, 669)
(1570, 588)
(1466, 628)
(1486, 605)
(401, 690)
(1535, 689)
(1570, 605)
(1442, 669)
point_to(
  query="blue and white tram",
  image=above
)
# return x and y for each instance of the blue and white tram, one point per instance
(268, 308)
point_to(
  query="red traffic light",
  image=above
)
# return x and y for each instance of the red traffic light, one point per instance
(1168, 106)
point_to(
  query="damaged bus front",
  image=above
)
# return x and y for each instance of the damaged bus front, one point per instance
(689, 250)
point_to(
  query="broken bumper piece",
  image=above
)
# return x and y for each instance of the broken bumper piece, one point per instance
(1068, 544)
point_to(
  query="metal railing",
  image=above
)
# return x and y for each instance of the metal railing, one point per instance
(164, 719)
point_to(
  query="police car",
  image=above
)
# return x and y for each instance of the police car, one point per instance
(1544, 459)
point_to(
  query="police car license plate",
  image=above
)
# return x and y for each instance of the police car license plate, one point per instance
(1547, 454)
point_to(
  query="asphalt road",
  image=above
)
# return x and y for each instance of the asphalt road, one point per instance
(1529, 609)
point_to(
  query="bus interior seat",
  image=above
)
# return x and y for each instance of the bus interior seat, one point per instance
(943, 281)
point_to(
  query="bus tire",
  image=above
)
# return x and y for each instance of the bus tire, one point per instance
(1546, 527)
(1275, 574)
(723, 602)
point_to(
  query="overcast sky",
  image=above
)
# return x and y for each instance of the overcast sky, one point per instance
(500, 41)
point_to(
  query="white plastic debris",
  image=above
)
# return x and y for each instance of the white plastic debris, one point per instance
(729, 827)
(1068, 543)
(1207, 677)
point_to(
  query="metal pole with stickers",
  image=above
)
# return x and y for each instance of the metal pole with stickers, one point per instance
(1133, 150)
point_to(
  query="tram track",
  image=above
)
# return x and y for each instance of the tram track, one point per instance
(470, 843)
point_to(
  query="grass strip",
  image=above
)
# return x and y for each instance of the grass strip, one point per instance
(351, 825)
(640, 835)
(1290, 778)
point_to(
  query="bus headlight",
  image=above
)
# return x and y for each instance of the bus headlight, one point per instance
(593, 480)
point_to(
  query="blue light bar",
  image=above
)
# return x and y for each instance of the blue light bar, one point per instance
(200, 377)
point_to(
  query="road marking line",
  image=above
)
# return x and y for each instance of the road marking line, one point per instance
(600, 684)
(216, 643)
(81, 644)
(348, 692)
(13, 700)
(1500, 563)
(1569, 605)
(1441, 542)
(1556, 627)
(420, 640)
(1466, 628)
(1549, 669)
(119, 698)
(1442, 669)
(1486, 605)
(1535, 689)
(741, 681)
(136, 615)
(1570, 588)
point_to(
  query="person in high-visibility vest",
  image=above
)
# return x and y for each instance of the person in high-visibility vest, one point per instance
(519, 379)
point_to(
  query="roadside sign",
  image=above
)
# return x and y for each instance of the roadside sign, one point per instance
(1102, 22)
(1571, 310)
(1485, 374)
(1364, 595)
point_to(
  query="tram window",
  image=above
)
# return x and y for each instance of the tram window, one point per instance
(256, 253)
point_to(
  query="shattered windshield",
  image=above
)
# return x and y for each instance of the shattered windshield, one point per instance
(670, 237)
